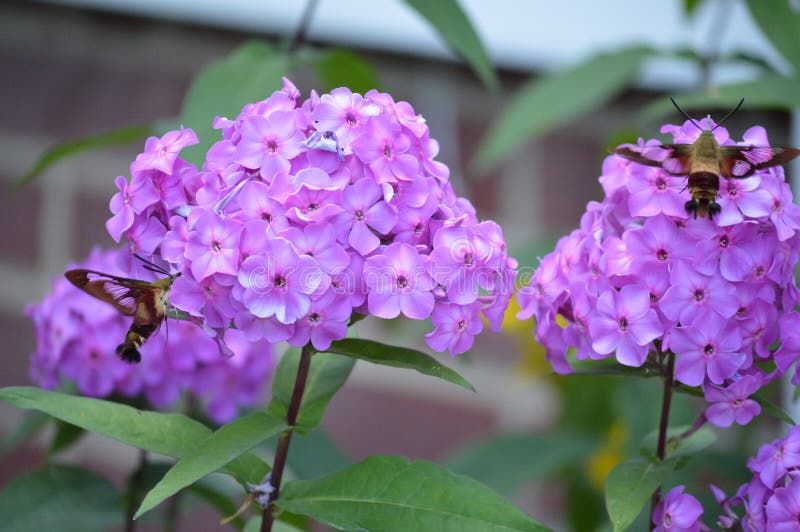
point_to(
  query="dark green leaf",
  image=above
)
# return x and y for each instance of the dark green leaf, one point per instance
(690, 6)
(66, 434)
(225, 445)
(507, 462)
(629, 486)
(60, 498)
(342, 68)
(125, 135)
(397, 357)
(554, 100)
(768, 92)
(387, 493)
(314, 454)
(328, 373)
(169, 434)
(250, 73)
(780, 23)
(453, 25)
(216, 498)
(698, 441)
(771, 409)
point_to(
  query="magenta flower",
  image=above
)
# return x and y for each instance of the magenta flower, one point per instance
(732, 403)
(726, 249)
(384, 148)
(269, 143)
(742, 197)
(91, 364)
(210, 298)
(710, 347)
(319, 241)
(458, 263)
(784, 214)
(455, 327)
(279, 282)
(344, 113)
(774, 460)
(213, 246)
(256, 204)
(695, 296)
(365, 216)
(325, 321)
(653, 192)
(625, 323)
(397, 282)
(131, 200)
(657, 244)
(783, 508)
(313, 204)
(678, 511)
(161, 153)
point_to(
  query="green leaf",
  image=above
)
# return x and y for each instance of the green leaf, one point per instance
(630, 485)
(780, 23)
(66, 434)
(125, 135)
(554, 100)
(772, 409)
(342, 68)
(226, 444)
(397, 357)
(770, 91)
(169, 434)
(314, 454)
(453, 25)
(507, 462)
(387, 493)
(675, 448)
(252, 72)
(328, 373)
(690, 6)
(216, 499)
(60, 498)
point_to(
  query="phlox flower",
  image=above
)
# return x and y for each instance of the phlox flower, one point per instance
(625, 324)
(398, 283)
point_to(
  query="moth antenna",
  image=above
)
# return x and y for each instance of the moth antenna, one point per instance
(681, 111)
(157, 268)
(729, 114)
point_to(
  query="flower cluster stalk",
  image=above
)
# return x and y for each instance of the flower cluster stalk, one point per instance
(286, 436)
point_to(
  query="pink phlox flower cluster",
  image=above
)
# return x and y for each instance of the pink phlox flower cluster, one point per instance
(640, 274)
(77, 335)
(306, 212)
(771, 500)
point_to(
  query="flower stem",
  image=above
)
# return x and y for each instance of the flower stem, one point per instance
(133, 495)
(300, 33)
(664, 424)
(286, 436)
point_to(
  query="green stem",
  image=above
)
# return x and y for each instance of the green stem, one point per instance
(282, 451)
(133, 495)
(663, 425)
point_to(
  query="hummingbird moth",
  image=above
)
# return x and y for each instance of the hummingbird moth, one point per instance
(146, 301)
(705, 161)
